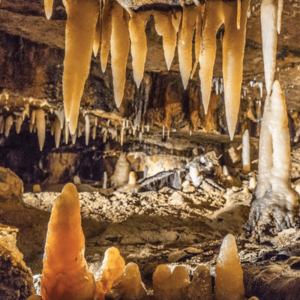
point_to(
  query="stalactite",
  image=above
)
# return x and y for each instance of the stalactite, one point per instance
(96, 43)
(74, 138)
(233, 56)
(185, 42)
(57, 132)
(48, 8)
(268, 16)
(87, 129)
(104, 185)
(279, 15)
(137, 26)
(32, 120)
(106, 33)
(119, 44)
(9, 121)
(238, 19)
(41, 127)
(213, 19)
(19, 122)
(80, 32)
(61, 116)
(165, 28)
(66, 133)
(94, 132)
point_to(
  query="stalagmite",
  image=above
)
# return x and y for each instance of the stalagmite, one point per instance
(96, 43)
(41, 127)
(119, 45)
(201, 286)
(233, 55)
(122, 169)
(19, 122)
(268, 17)
(87, 129)
(213, 19)
(165, 28)
(57, 132)
(246, 152)
(9, 121)
(137, 26)
(110, 271)
(238, 19)
(132, 178)
(80, 32)
(170, 286)
(279, 15)
(229, 283)
(198, 37)
(131, 285)
(104, 185)
(48, 8)
(106, 33)
(65, 274)
(185, 42)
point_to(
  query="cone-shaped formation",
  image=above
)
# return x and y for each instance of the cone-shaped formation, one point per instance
(165, 28)
(279, 15)
(268, 16)
(170, 286)
(87, 129)
(57, 132)
(65, 274)
(111, 270)
(119, 45)
(246, 151)
(8, 124)
(48, 8)
(96, 43)
(185, 42)
(233, 56)
(80, 32)
(137, 25)
(41, 127)
(229, 283)
(201, 287)
(19, 122)
(122, 170)
(131, 285)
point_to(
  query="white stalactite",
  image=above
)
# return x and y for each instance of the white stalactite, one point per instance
(87, 129)
(246, 151)
(57, 132)
(8, 124)
(279, 15)
(41, 127)
(48, 4)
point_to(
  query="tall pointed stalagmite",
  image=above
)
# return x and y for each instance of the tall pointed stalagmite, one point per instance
(268, 16)
(65, 274)
(41, 127)
(106, 33)
(80, 32)
(165, 28)
(137, 26)
(119, 45)
(48, 4)
(185, 42)
(213, 19)
(229, 283)
(233, 56)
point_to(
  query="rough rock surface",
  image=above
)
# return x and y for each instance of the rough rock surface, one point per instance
(11, 186)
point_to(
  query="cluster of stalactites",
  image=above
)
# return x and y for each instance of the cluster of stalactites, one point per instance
(94, 24)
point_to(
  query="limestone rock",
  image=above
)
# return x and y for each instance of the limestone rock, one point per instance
(11, 186)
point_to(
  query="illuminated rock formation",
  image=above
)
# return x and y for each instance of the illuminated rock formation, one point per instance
(276, 202)
(229, 283)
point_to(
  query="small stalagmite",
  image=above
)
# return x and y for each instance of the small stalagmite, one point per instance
(122, 170)
(119, 50)
(165, 28)
(48, 8)
(170, 286)
(110, 271)
(41, 127)
(233, 56)
(138, 39)
(268, 15)
(201, 286)
(9, 121)
(185, 42)
(131, 286)
(65, 274)
(213, 19)
(229, 283)
(80, 31)
(246, 152)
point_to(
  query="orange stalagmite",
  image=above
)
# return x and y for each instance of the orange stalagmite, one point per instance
(80, 32)
(65, 274)
(137, 25)
(233, 56)
(119, 50)
(214, 18)
(185, 42)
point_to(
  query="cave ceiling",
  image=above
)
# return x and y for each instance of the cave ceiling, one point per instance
(32, 52)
